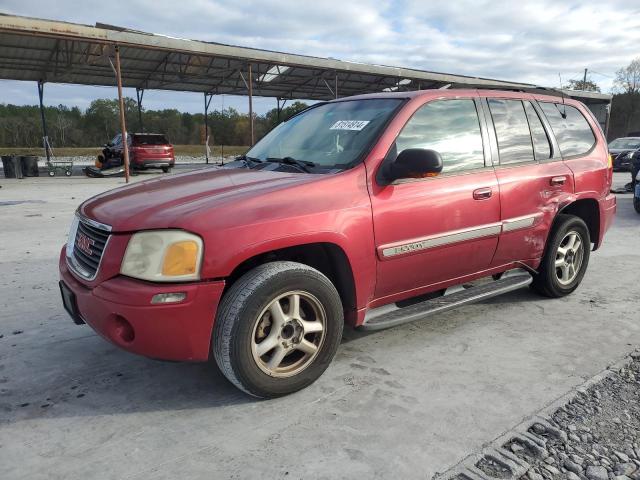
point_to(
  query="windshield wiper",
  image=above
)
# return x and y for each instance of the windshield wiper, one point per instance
(301, 164)
(249, 160)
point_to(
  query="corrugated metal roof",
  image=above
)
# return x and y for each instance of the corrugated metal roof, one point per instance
(59, 52)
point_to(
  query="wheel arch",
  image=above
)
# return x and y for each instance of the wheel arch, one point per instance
(588, 210)
(327, 257)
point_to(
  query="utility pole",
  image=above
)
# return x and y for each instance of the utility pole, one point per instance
(584, 81)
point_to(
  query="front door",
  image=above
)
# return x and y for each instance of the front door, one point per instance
(430, 230)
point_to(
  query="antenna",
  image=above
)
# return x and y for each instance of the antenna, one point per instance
(564, 107)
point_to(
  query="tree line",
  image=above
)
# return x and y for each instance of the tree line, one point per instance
(20, 126)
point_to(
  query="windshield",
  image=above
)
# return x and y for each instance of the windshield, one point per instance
(630, 143)
(329, 136)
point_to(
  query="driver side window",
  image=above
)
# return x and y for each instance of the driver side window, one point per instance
(451, 128)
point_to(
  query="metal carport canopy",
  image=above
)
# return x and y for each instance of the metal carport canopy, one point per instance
(60, 52)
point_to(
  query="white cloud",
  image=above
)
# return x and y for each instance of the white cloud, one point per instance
(529, 41)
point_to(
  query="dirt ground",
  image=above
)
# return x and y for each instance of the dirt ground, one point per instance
(401, 403)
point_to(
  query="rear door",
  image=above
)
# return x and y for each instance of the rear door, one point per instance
(430, 230)
(532, 177)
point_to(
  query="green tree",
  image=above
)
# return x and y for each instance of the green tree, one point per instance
(580, 84)
(627, 83)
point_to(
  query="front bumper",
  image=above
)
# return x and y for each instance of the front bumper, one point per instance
(622, 163)
(120, 310)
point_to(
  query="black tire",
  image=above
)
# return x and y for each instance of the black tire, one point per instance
(238, 314)
(166, 169)
(636, 204)
(546, 282)
(67, 173)
(52, 173)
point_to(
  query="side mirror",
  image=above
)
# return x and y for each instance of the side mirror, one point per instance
(414, 163)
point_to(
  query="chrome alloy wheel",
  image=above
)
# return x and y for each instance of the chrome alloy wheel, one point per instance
(569, 257)
(288, 334)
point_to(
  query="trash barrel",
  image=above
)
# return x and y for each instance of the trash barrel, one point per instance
(29, 165)
(11, 166)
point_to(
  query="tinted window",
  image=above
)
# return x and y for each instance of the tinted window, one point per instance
(541, 144)
(571, 129)
(451, 128)
(150, 140)
(512, 131)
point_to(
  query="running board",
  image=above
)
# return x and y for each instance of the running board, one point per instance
(390, 316)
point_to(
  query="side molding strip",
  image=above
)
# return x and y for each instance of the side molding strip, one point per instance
(440, 240)
(457, 236)
(517, 223)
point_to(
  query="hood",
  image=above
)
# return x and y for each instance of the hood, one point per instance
(617, 151)
(169, 202)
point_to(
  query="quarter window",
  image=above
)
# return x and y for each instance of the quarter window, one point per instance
(512, 131)
(541, 143)
(571, 129)
(451, 128)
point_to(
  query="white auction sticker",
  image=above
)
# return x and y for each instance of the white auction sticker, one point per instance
(356, 125)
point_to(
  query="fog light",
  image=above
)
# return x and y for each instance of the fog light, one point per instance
(168, 297)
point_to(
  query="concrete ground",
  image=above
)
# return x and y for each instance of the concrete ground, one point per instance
(402, 403)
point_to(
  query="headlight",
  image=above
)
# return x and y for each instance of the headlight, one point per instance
(163, 256)
(629, 154)
(71, 239)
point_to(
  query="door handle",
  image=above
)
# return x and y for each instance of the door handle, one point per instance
(482, 193)
(555, 181)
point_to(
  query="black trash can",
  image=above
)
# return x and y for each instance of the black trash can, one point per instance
(29, 166)
(11, 166)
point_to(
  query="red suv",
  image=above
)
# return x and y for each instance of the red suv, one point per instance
(146, 150)
(372, 210)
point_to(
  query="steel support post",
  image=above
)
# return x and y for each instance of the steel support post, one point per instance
(251, 104)
(45, 137)
(207, 102)
(123, 125)
(139, 95)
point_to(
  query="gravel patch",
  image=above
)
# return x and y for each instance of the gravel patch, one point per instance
(594, 437)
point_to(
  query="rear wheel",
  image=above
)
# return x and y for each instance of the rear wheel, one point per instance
(166, 169)
(566, 258)
(636, 204)
(277, 329)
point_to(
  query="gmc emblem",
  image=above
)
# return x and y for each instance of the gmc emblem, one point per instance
(84, 243)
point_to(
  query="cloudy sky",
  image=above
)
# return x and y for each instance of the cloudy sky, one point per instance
(528, 41)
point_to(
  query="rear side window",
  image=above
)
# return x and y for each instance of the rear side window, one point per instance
(541, 143)
(512, 131)
(571, 129)
(149, 140)
(451, 128)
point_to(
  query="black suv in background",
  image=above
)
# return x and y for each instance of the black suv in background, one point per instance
(622, 150)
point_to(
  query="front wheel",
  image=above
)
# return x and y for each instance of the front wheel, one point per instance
(566, 258)
(636, 204)
(166, 169)
(278, 327)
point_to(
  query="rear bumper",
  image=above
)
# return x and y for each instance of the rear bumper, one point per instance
(607, 213)
(153, 162)
(120, 310)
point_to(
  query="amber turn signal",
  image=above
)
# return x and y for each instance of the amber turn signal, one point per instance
(181, 258)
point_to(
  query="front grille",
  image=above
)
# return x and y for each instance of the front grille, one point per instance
(88, 247)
